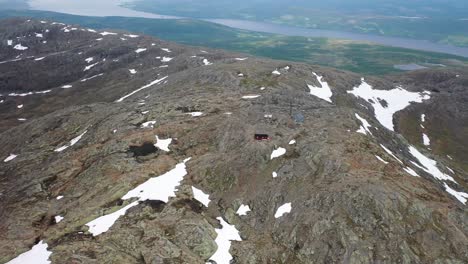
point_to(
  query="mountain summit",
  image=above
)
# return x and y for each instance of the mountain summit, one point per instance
(121, 148)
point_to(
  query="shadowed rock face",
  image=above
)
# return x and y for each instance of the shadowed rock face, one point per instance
(347, 205)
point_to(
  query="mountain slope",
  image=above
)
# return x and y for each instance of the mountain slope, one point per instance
(116, 168)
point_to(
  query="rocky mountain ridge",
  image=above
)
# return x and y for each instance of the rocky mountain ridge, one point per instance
(121, 148)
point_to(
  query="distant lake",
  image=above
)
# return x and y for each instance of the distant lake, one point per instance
(309, 32)
(103, 8)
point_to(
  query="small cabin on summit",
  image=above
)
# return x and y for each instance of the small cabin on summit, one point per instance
(262, 137)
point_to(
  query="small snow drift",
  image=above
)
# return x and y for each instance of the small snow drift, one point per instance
(141, 88)
(206, 62)
(364, 129)
(253, 96)
(387, 102)
(461, 196)
(278, 153)
(243, 210)
(226, 234)
(323, 92)
(159, 188)
(20, 47)
(276, 72)
(283, 209)
(71, 143)
(37, 255)
(10, 158)
(428, 165)
(104, 223)
(200, 196)
(163, 144)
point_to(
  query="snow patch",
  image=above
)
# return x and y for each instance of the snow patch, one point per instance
(382, 160)
(87, 68)
(200, 196)
(105, 33)
(364, 129)
(241, 59)
(37, 255)
(274, 174)
(142, 88)
(461, 196)
(20, 47)
(163, 144)
(391, 153)
(160, 188)
(104, 223)
(132, 71)
(88, 60)
(426, 140)
(166, 50)
(226, 234)
(10, 158)
(195, 114)
(58, 218)
(277, 153)
(71, 143)
(243, 210)
(411, 172)
(387, 102)
(140, 50)
(250, 96)
(166, 59)
(284, 209)
(323, 92)
(67, 86)
(148, 124)
(292, 142)
(428, 165)
(206, 62)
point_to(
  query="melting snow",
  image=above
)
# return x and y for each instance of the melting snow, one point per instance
(382, 160)
(90, 66)
(166, 59)
(166, 50)
(276, 72)
(39, 59)
(195, 114)
(428, 165)
(20, 106)
(284, 209)
(391, 153)
(364, 129)
(274, 174)
(10, 158)
(206, 62)
(90, 59)
(72, 142)
(142, 88)
(323, 92)
(58, 218)
(29, 93)
(59, 197)
(243, 210)
(149, 124)
(250, 96)
(105, 33)
(411, 171)
(20, 47)
(39, 35)
(10, 42)
(241, 59)
(426, 140)
(226, 234)
(395, 100)
(140, 50)
(37, 255)
(423, 118)
(67, 86)
(131, 36)
(132, 71)
(102, 224)
(461, 196)
(159, 188)
(278, 153)
(292, 142)
(163, 144)
(200, 196)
